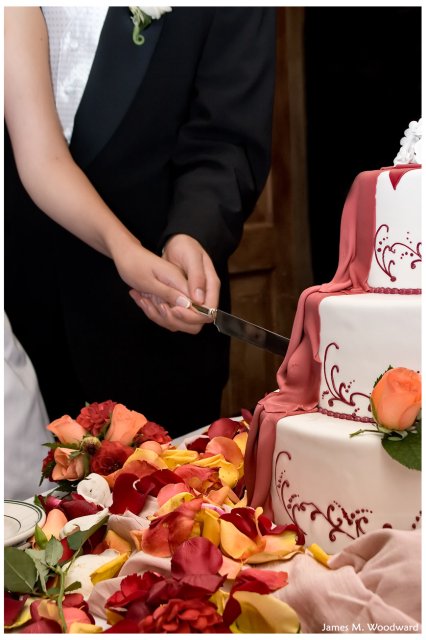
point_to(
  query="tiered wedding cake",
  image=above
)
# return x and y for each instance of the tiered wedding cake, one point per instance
(301, 461)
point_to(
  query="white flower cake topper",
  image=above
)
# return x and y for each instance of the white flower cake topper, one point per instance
(411, 143)
(142, 18)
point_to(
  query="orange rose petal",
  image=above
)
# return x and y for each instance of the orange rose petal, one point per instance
(237, 545)
(140, 468)
(230, 568)
(167, 492)
(124, 424)
(74, 615)
(55, 521)
(218, 497)
(228, 448)
(67, 430)
(152, 445)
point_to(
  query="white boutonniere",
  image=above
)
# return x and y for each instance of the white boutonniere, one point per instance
(142, 18)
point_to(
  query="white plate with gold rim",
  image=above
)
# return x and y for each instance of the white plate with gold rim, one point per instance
(20, 519)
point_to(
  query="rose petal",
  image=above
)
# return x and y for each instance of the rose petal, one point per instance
(223, 427)
(196, 556)
(264, 614)
(82, 524)
(124, 424)
(228, 448)
(125, 495)
(94, 488)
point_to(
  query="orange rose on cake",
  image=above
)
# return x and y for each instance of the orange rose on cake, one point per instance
(397, 398)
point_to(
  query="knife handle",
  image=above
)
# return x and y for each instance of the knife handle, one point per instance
(204, 310)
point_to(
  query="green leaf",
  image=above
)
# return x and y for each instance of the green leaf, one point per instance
(407, 451)
(382, 374)
(20, 573)
(77, 539)
(39, 558)
(72, 587)
(54, 552)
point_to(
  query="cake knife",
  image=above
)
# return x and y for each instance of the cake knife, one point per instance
(243, 330)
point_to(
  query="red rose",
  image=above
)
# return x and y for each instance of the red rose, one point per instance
(109, 457)
(151, 431)
(48, 465)
(95, 416)
(184, 616)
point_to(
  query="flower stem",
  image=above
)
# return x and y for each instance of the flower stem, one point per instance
(60, 598)
(356, 433)
(137, 36)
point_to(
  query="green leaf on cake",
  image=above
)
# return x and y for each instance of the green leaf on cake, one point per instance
(407, 451)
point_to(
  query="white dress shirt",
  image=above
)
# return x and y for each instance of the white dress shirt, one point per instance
(25, 420)
(73, 39)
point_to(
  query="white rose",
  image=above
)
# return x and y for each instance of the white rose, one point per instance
(155, 12)
(82, 568)
(94, 488)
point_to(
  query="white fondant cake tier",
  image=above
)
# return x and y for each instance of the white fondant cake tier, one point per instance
(360, 336)
(396, 261)
(336, 488)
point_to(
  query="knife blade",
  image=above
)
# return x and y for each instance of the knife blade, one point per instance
(236, 327)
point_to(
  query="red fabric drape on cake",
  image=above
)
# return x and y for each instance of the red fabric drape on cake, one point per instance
(299, 375)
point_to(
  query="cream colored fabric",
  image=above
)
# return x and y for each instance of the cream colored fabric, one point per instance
(372, 586)
(25, 421)
(73, 40)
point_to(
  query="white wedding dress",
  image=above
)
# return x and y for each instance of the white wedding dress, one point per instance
(25, 421)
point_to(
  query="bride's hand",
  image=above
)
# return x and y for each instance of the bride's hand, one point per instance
(158, 288)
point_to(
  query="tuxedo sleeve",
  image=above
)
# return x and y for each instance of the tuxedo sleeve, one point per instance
(222, 157)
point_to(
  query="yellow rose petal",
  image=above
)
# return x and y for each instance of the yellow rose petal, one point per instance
(319, 554)
(219, 599)
(228, 474)
(176, 457)
(24, 615)
(148, 455)
(174, 502)
(210, 462)
(241, 441)
(84, 627)
(235, 544)
(210, 525)
(264, 614)
(109, 569)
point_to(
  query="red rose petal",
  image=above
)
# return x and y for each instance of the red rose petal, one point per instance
(223, 427)
(260, 580)
(125, 496)
(196, 556)
(243, 520)
(267, 527)
(198, 445)
(12, 608)
(152, 484)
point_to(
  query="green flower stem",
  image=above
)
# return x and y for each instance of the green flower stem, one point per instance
(137, 36)
(60, 598)
(356, 433)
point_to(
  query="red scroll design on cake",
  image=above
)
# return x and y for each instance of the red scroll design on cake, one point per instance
(339, 520)
(386, 254)
(340, 392)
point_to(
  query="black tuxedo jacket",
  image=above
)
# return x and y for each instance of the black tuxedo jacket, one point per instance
(175, 135)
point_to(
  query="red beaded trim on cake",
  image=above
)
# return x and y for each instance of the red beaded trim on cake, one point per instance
(345, 416)
(404, 292)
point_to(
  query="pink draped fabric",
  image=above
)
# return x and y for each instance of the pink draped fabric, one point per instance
(299, 375)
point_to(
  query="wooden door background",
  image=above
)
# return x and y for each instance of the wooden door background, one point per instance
(272, 264)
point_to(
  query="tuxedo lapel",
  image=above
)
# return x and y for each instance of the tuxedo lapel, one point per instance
(117, 72)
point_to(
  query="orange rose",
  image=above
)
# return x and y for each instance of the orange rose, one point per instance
(67, 430)
(397, 398)
(124, 425)
(67, 467)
